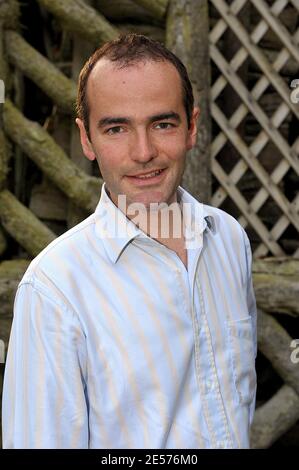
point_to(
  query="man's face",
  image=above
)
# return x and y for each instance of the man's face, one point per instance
(138, 125)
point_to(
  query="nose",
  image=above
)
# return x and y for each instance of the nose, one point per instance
(143, 147)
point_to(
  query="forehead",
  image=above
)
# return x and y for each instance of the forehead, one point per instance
(143, 85)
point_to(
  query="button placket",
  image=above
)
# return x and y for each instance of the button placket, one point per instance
(207, 373)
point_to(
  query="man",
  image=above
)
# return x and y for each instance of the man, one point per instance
(123, 337)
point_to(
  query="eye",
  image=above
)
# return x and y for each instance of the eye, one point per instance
(113, 130)
(165, 125)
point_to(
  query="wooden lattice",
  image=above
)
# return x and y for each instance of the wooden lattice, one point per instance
(250, 154)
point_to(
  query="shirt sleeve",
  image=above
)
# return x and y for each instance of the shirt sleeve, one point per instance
(44, 392)
(252, 310)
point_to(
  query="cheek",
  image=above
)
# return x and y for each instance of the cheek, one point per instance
(175, 151)
(173, 144)
(109, 156)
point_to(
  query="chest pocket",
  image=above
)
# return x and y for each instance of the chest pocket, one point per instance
(242, 358)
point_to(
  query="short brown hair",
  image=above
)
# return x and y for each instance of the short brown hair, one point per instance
(126, 50)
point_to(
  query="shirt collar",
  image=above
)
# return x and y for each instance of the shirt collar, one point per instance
(197, 218)
(117, 231)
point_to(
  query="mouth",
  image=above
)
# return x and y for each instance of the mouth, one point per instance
(148, 178)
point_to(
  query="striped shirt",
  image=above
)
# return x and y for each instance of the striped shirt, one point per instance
(115, 344)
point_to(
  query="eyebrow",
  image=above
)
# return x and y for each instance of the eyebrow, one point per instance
(125, 120)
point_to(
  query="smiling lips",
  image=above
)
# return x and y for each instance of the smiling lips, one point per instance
(148, 175)
(153, 176)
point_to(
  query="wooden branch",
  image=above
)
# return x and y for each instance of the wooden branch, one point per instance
(5, 154)
(11, 273)
(3, 242)
(22, 225)
(54, 83)
(83, 190)
(274, 418)
(81, 50)
(276, 284)
(125, 10)
(82, 19)
(156, 7)
(154, 32)
(281, 412)
(9, 13)
(187, 35)
(3, 61)
(275, 343)
(5, 326)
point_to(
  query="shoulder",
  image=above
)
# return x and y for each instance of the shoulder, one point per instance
(62, 253)
(223, 224)
(230, 236)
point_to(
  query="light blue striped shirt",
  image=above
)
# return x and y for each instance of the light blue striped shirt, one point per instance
(115, 344)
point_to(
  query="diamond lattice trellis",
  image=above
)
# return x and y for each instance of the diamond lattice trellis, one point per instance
(271, 183)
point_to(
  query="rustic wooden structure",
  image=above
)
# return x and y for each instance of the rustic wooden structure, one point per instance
(285, 156)
(241, 56)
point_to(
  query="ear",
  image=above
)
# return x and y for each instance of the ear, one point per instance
(85, 142)
(192, 132)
